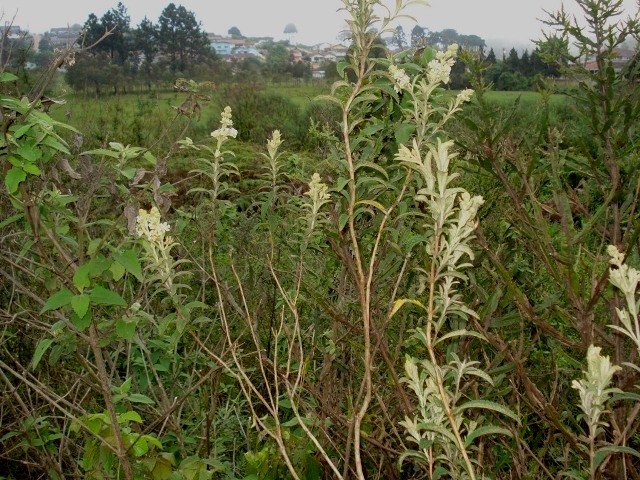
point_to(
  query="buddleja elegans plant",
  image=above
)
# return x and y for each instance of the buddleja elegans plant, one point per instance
(442, 428)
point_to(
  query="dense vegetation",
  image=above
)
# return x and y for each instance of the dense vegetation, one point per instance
(395, 280)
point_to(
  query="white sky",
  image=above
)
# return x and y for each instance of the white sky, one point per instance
(515, 21)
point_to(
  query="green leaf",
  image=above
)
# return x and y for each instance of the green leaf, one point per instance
(80, 304)
(30, 153)
(487, 430)
(11, 219)
(129, 172)
(372, 203)
(117, 270)
(102, 151)
(400, 302)
(126, 385)
(101, 296)
(341, 68)
(150, 158)
(604, 452)
(140, 447)
(7, 77)
(403, 132)
(488, 405)
(126, 328)
(139, 398)
(130, 416)
(57, 300)
(81, 323)
(81, 277)
(460, 333)
(31, 169)
(129, 260)
(13, 179)
(41, 348)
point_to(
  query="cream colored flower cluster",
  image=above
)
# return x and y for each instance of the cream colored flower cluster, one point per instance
(440, 67)
(400, 77)
(226, 129)
(594, 387)
(149, 226)
(273, 143)
(624, 277)
(318, 191)
(465, 95)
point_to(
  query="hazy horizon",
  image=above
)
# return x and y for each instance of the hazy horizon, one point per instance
(498, 22)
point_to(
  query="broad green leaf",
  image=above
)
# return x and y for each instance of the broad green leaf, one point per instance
(604, 452)
(31, 169)
(41, 348)
(403, 132)
(129, 260)
(81, 323)
(117, 270)
(130, 416)
(57, 300)
(80, 304)
(372, 203)
(13, 178)
(488, 405)
(486, 430)
(102, 151)
(56, 145)
(101, 296)
(460, 333)
(341, 68)
(11, 219)
(140, 447)
(126, 385)
(150, 158)
(81, 277)
(29, 152)
(140, 398)
(126, 328)
(7, 77)
(129, 172)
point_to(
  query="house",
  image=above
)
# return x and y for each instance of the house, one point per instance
(11, 31)
(64, 36)
(622, 56)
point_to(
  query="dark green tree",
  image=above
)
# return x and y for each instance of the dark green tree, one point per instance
(525, 64)
(512, 62)
(147, 49)
(491, 57)
(181, 37)
(278, 59)
(399, 38)
(418, 39)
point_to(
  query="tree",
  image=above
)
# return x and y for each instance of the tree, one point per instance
(491, 57)
(399, 38)
(447, 37)
(181, 37)
(418, 39)
(525, 64)
(278, 59)
(118, 43)
(146, 40)
(146, 45)
(513, 61)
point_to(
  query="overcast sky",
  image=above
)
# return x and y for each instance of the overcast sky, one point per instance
(317, 21)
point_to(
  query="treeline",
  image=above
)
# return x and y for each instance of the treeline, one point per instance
(511, 72)
(119, 58)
